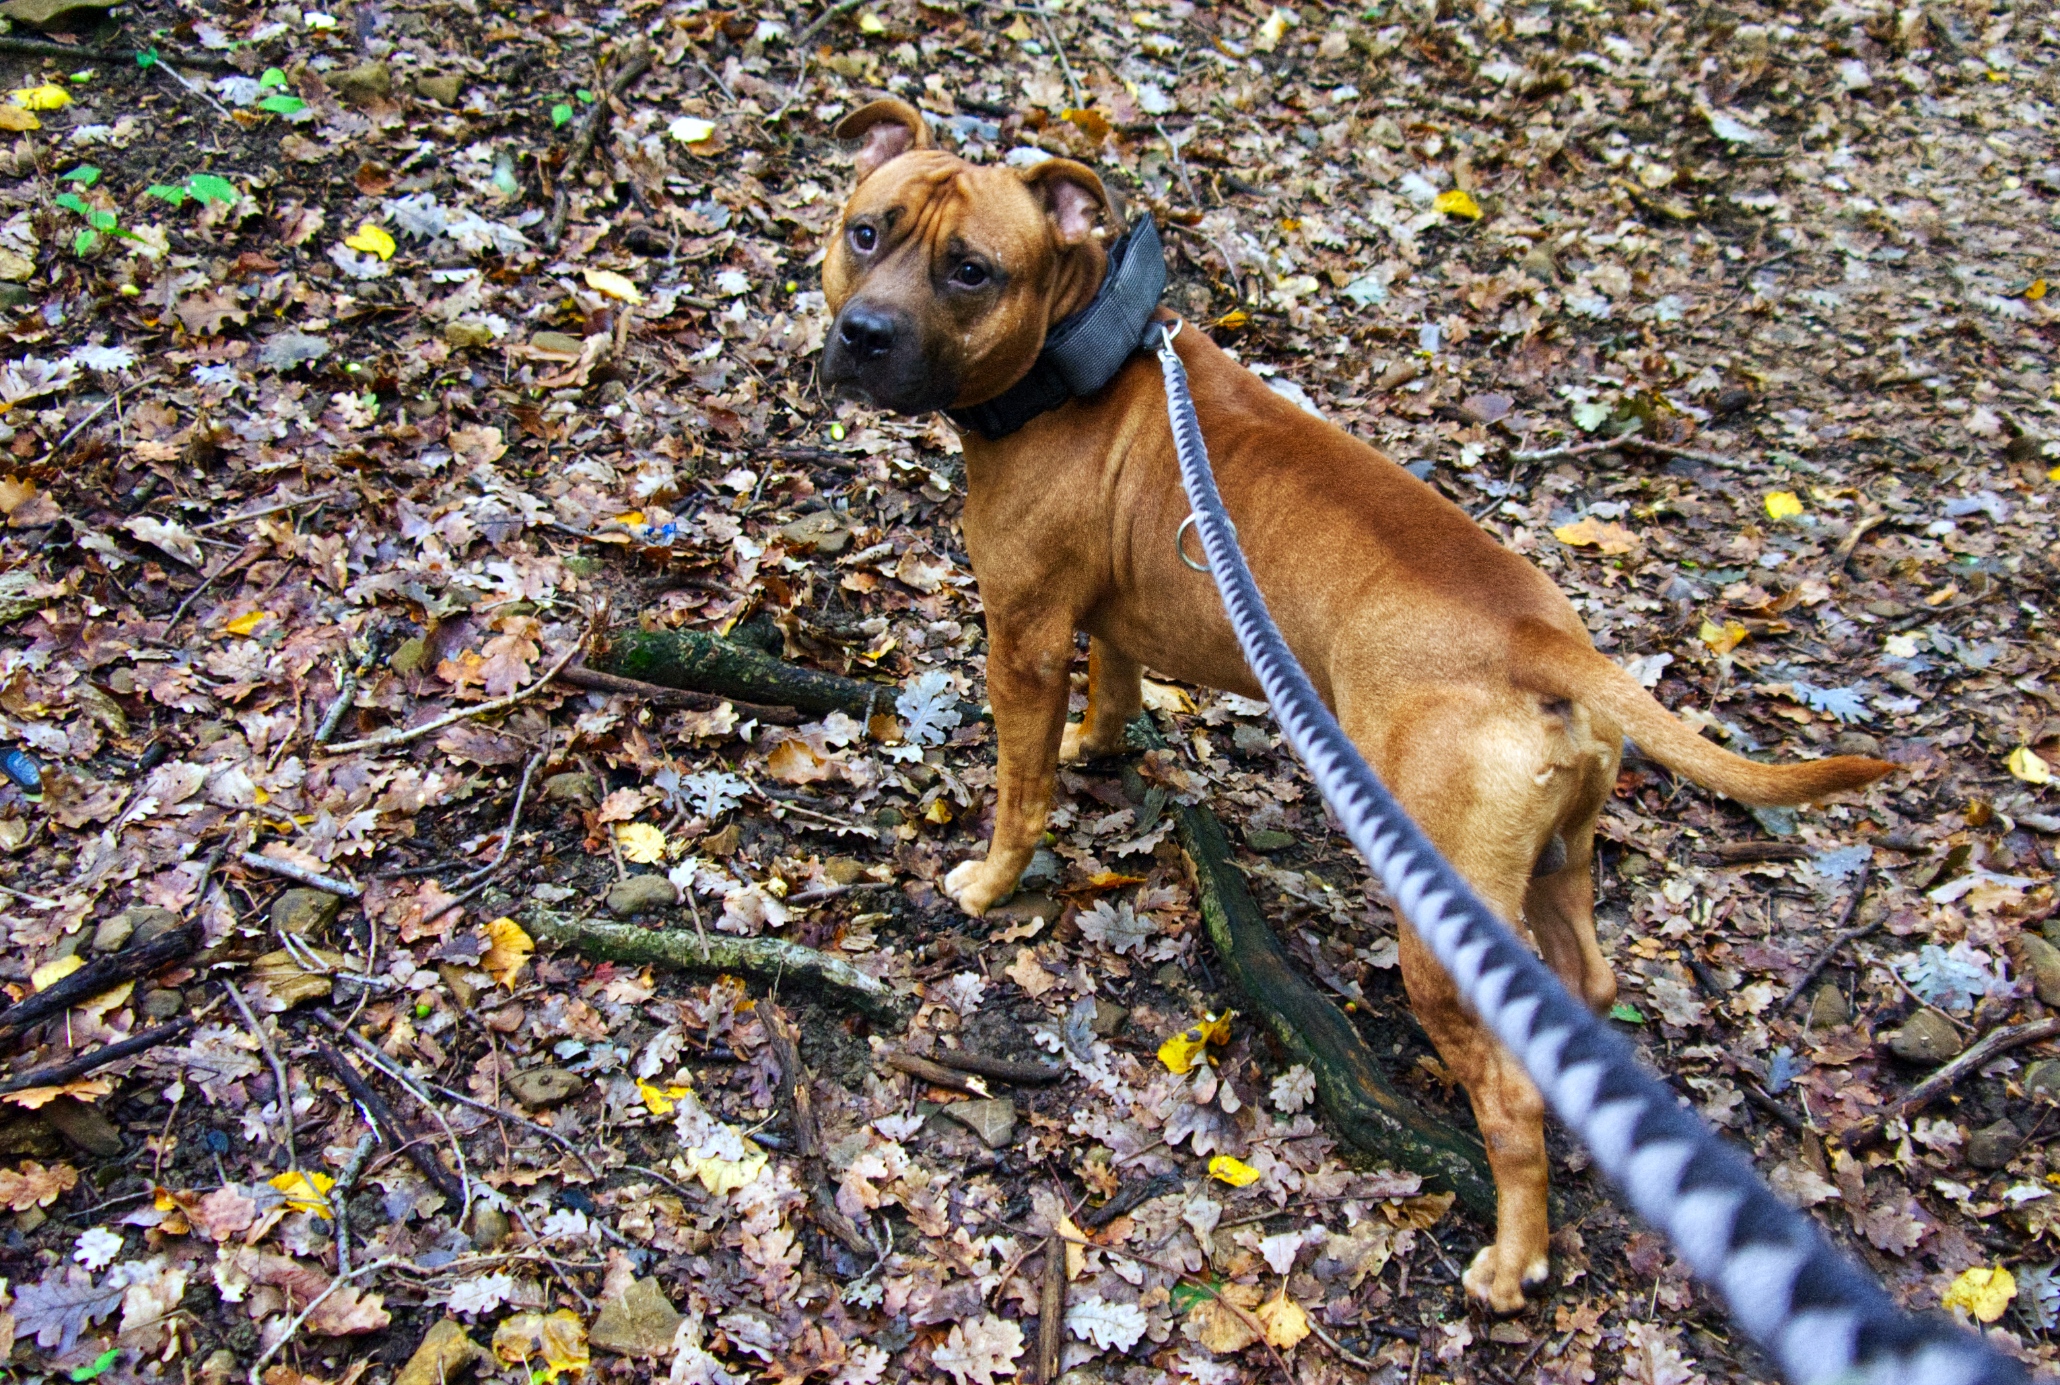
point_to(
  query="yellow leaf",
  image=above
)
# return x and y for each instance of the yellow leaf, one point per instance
(795, 762)
(1164, 697)
(1020, 31)
(2036, 291)
(1459, 202)
(1722, 639)
(1093, 124)
(1181, 1052)
(641, 842)
(35, 1098)
(43, 98)
(507, 951)
(938, 812)
(247, 622)
(305, 1192)
(371, 240)
(1783, 505)
(50, 973)
(614, 285)
(724, 1176)
(694, 130)
(1283, 1318)
(16, 118)
(2028, 766)
(559, 1340)
(1235, 1172)
(1217, 1323)
(1076, 1247)
(870, 23)
(1601, 534)
(1236, 317)
(1984, 1293)
(659, 1100)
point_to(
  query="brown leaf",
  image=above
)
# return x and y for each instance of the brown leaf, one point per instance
(348, 1311)
(36, 1186)
(1600, 534)
(204, 313)
(225, 1212)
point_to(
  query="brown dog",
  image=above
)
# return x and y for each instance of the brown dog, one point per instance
(1462, 673)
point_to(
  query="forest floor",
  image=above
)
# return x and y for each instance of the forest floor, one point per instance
(415, 347)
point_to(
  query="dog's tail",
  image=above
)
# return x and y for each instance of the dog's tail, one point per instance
(1557, 664)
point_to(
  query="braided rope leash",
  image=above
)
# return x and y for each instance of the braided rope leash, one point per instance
(1823, 1320)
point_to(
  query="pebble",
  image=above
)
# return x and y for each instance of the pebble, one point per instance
(844, 870)
(163, 1004)
(2043, 960)
(113, 933)
(465, 332)
(84, 1126)
(542, 1088)
(1925, 1037)
(640, 1323)
(1266, 840)
(489, 1226)
(304, 911)
(444, 89)
(1828, 1009)
(573, 786)
(368, 81)
(819, 532)
(1108, 1017)
(1993, 1146)
(642, 894)
(2042, 1079)
(993, 1119)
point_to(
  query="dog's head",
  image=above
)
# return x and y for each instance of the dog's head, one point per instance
(943, 275)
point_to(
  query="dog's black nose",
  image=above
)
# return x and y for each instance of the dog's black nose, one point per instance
(866, 332)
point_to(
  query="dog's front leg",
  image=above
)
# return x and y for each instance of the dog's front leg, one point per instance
(1115, 694)
(1027, 681)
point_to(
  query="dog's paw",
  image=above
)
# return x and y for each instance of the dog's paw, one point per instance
(973, 886)
(1493, 1281)
(1075, 746)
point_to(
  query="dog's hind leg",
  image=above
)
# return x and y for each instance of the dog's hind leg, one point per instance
(1115, 694)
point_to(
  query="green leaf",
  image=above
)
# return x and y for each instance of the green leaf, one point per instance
(585, 95)
(85, 175)
(84, 243)
(273, 78)
(1629, 1014)
(561, 113)
(100, 1363)
(102, 221)
(283, 105)
(72, 202)
(174, 195)
(147, 58)
(1185, 1296)
(213, 189)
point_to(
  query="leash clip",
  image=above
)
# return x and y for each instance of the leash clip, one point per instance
(1180, 534)
(1167, 334)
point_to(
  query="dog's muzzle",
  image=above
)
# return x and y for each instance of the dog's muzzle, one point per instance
(875, 353)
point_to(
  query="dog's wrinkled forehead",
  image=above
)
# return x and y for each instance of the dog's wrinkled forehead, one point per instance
(950, 206)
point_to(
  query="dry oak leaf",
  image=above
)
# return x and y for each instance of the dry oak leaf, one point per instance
(557, 1340)
(445, 1351)
(225, 1212)
(1597, 533)
(347, 1312)
(979, 1350)
(36, 1186)
(36, 1098)
(204, 313)
(1219, 1326)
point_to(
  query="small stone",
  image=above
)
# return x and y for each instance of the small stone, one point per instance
(409, 655)
(28, 1219)
(993, 1120)
(84, 1126)
(151, 921)
(1022, 908)
(163, 1004)
(1634, 866)
(55, 14)
(464, 333)
(1828, 1009)
(1888, 610)
(844, 870)
(289, 982)
(1108, 1016)
(558, 343)
(1044, 871)
(542, 1088)
(370, 80)
(1857, 743)
(1539, 264)
(820, 532)
(573, 786)
(2042, 1079)
(489, 1226)
(641, 1322)
(2044, 961)
(445, 1351)
(1993, 1146)
(642, 894)
(1266, 840)
(304, 911)
(445, 88)
(113, 933)
(219, 1366)
(1925, 1037)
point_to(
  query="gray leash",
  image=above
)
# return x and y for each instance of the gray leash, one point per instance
(1821, 1319)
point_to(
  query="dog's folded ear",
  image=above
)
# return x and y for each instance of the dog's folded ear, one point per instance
(889, 128)
(1072, 194)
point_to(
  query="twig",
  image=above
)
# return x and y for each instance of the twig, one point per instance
(285, 1089)
(1058, 50)
(300, 875)
(1348, 1357)
(400, 735)
(580, 676)
(59, 1073)
(347, 690)
(514, 818)
(1051, 1311)
(192, 90)
(823, 892)
(1629, 440)
(76, 428)
(815, 25)
(936, 1074)
(635, 65)
(1997, 1041)
(796, 1096)
(389, 1126)
(40, 901)
(291, 504)
(1830, 949)
(544, 1130)
(244, 559)
(563, 1271)
(414, 1089)
(1000, 1069)
(257, 1367)
(800, 80)
(339, 1195)
(100, 974)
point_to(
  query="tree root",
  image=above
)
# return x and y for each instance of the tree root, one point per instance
(767, 959)
(1356, 1094)
(701, 662)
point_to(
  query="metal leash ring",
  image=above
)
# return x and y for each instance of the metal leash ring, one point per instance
(1180, 542)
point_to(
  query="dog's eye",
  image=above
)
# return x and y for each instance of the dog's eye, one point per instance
(863, 238)
(969, 275)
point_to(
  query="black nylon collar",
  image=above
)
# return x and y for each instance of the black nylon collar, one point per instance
(1083, 352)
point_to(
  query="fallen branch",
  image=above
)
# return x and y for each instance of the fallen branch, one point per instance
(300, 875)
(1368, 1110)
(1665, 449)
(401, 735)
(1051, 1311)
(1000, 1069)
(634, 66)
(381, 1117)
(100, 974)
(592, 679)
(696, 660)
(282, 1086)
(799, 1099)
(936, 1074)
(1831, 949)
(1986, 1049)
(57, 1074)
(768, 959)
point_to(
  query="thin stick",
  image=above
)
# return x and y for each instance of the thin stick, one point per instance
(635, 65)
(564, 1273)
(514, 818)
(400, 1075)
(1051, 1311)
(823, 892)
(389, 1125)
(1349, 1357)
(815, 25)
(74, 430)
(347, 691)
(1058, 51)
(1629, 440)
(243, 559)
(192, 90)
(592, 679)
(339, 1195)
(59, 1073)
(65, 53)
(1830, 949)
(257, 1368)
(300, 875)
(285, 1089)
(1996, 1041)
(568, 1146)
(400, 735)
(292, 504)
(25, 897)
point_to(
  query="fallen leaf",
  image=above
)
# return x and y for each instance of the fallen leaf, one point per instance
(1285, 1322)
(1783, 505)
(1721, 639)
(50, 973)
(1984, 1293)
(42, 98)
(1235, 1172)
(371, 240)
(18, 119)
(247, 622)
(614, 285)
(1164, 697)
(659, 1101)
(641, 842)
(1601, 534)
(444, 1353)
(2027, 766)
(508, 949)
(225, 1212)
(85, 1089)
(558, 1340)
(1457, 202)
(1218, 1325)
(305, 1192)
(724, 1176)
(1181, 1052)
(36, 1186)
